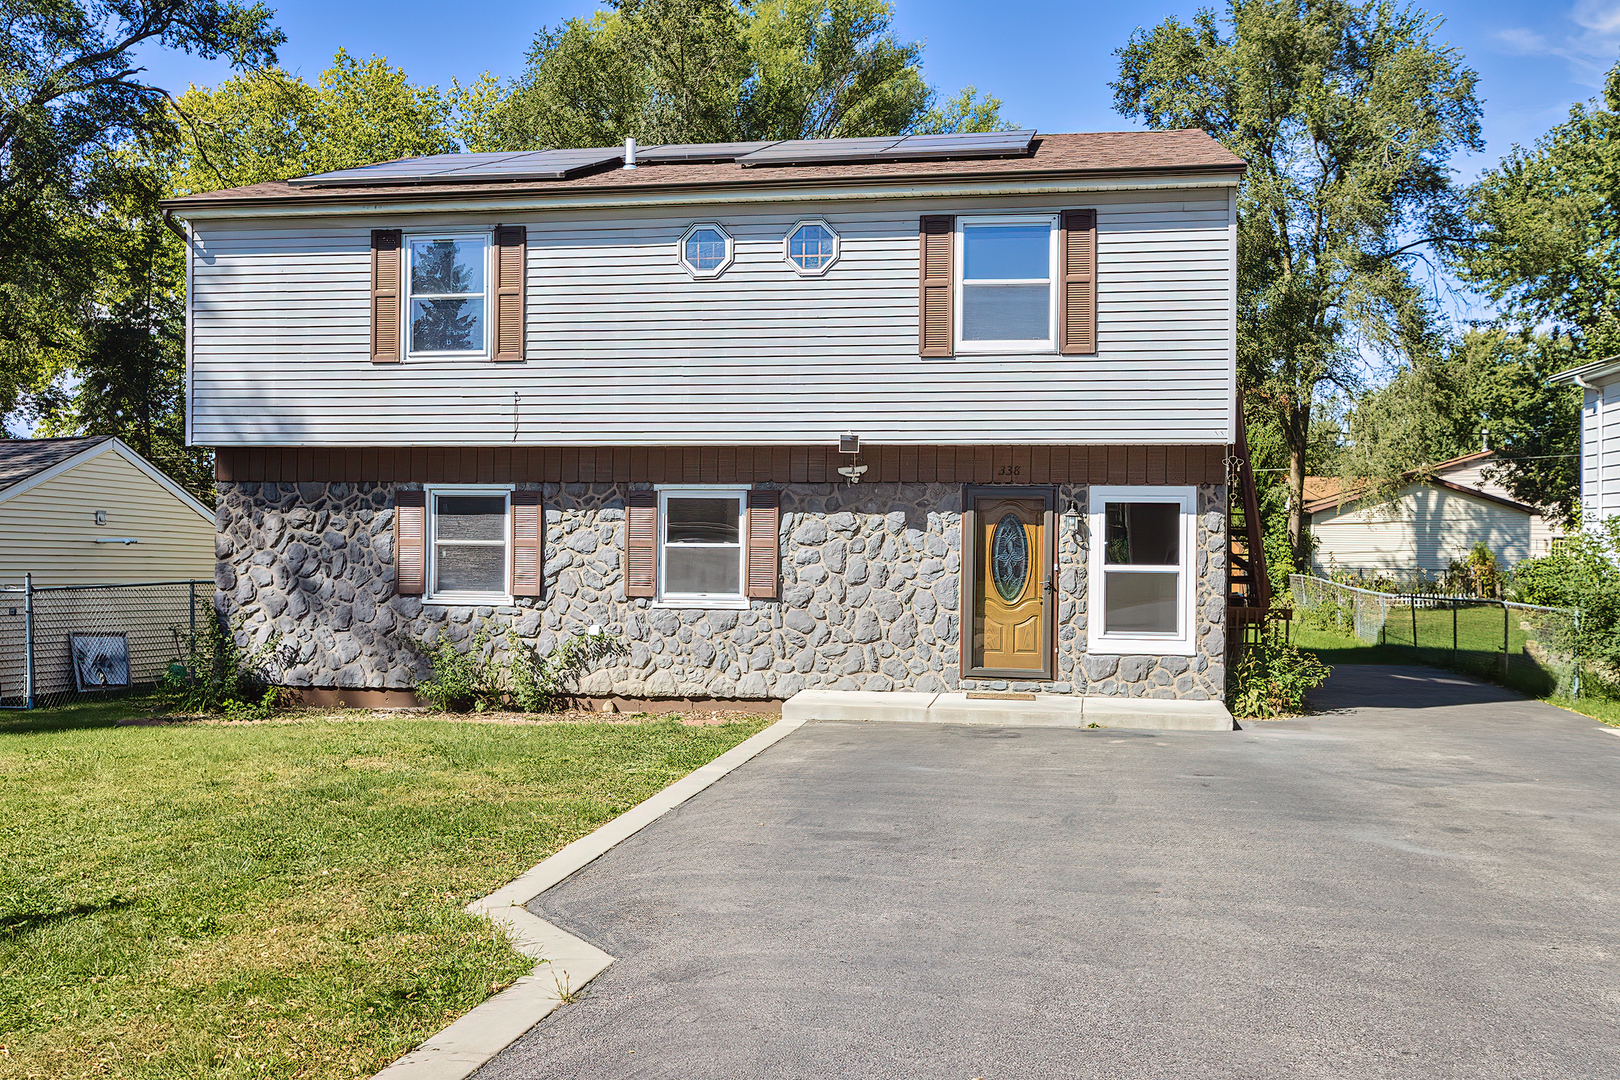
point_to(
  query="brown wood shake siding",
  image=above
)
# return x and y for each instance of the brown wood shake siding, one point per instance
(738, 465)
(386, 274)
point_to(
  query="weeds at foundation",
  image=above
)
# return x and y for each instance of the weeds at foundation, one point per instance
(477, 679)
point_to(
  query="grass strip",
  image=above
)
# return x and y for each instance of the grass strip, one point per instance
(281, 899)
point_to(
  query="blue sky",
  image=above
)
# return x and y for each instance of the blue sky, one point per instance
(1049, 62)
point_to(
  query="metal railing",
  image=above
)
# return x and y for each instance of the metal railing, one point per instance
(1532, 648)
(66, 643)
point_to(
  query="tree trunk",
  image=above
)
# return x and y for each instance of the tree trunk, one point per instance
(1297, 434)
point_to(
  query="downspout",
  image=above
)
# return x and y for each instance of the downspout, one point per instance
(168, 219)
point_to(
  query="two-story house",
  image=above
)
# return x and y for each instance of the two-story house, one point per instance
(925, 413)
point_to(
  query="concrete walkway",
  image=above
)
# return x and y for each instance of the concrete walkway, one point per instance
(1423, 887)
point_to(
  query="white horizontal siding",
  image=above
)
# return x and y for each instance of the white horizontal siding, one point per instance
(624, 347)
(1426, 528)
(51, 532)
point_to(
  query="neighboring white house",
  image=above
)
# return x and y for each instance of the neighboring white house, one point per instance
(1430, 524)
(91, 511)
(1600, 437)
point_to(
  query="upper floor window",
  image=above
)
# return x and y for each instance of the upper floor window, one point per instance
(447, 277)
(1006, 284)
(706, 250)
(812, 246)
(468, 533)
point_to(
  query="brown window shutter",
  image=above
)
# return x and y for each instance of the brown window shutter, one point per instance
(1077, 328)
(385, 285)
(936, 266)
(764, 542)
(641, 544)
(528, 530)
(410, 543)
(511, 264)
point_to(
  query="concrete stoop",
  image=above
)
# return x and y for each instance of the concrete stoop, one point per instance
(1046, 710)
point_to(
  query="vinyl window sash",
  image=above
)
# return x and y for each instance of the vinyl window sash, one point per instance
(431, 594)
(667, 598)
(408, 297)
(961, 282)
(1182, 642)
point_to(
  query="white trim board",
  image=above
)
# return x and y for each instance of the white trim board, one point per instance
(374, 207)
(129, 455)
(564, 963)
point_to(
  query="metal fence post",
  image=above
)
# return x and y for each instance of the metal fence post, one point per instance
(191, 588)
(1575, 682)
(1504, 638)
(28, 641)
(1453, 603)
(1413, 601)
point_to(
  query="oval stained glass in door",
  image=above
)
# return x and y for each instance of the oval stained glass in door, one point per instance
(1009, 558)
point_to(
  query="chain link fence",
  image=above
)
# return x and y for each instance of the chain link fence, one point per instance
(1531, 648)
(65, 643)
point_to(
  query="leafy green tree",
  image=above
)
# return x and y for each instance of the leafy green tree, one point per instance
(1548, 250)
(1491, 388)
(128, 367)
(1348, 115)
(267, 124)
(71, 87)
(720, 71)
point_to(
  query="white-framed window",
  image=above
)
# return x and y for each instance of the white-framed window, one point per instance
(702, 534)
(1006, 284)
(810, 247)
(469, 534)
(706, 250)
(447, 282)
(1142, 556)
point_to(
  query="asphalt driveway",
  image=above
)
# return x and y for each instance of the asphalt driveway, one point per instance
(1426, 886)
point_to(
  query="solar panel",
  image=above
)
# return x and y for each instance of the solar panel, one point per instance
(964, 145)
(469, 168)
(695, 152)
(562, 164)
(818, 151)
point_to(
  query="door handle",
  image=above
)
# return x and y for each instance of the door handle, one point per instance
(1049, 586)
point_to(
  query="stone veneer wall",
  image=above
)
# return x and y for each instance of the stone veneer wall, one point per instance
(870, 597)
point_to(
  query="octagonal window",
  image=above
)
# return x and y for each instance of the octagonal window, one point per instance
(812, 246)
(706, 250)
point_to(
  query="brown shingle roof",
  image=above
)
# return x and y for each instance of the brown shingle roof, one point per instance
(1077, 154)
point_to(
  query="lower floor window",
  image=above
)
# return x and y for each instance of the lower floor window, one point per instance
(469, 532)
(1141, 580)
(701, 534)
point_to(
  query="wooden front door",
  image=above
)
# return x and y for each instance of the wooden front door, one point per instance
(1011, 612)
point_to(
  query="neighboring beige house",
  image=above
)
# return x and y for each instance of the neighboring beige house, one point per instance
(91, 511)
(1431, 523)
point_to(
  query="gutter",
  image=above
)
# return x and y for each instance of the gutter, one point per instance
(168, 219)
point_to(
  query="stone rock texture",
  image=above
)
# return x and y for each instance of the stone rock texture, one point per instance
(870, 597)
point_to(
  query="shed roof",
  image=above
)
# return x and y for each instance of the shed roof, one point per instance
(1093, 153)
(22, 458)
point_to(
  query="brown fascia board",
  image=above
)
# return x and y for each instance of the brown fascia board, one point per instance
(1351, 499)
(348, 196)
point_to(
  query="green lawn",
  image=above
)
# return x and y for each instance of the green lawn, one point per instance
(280, 899)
